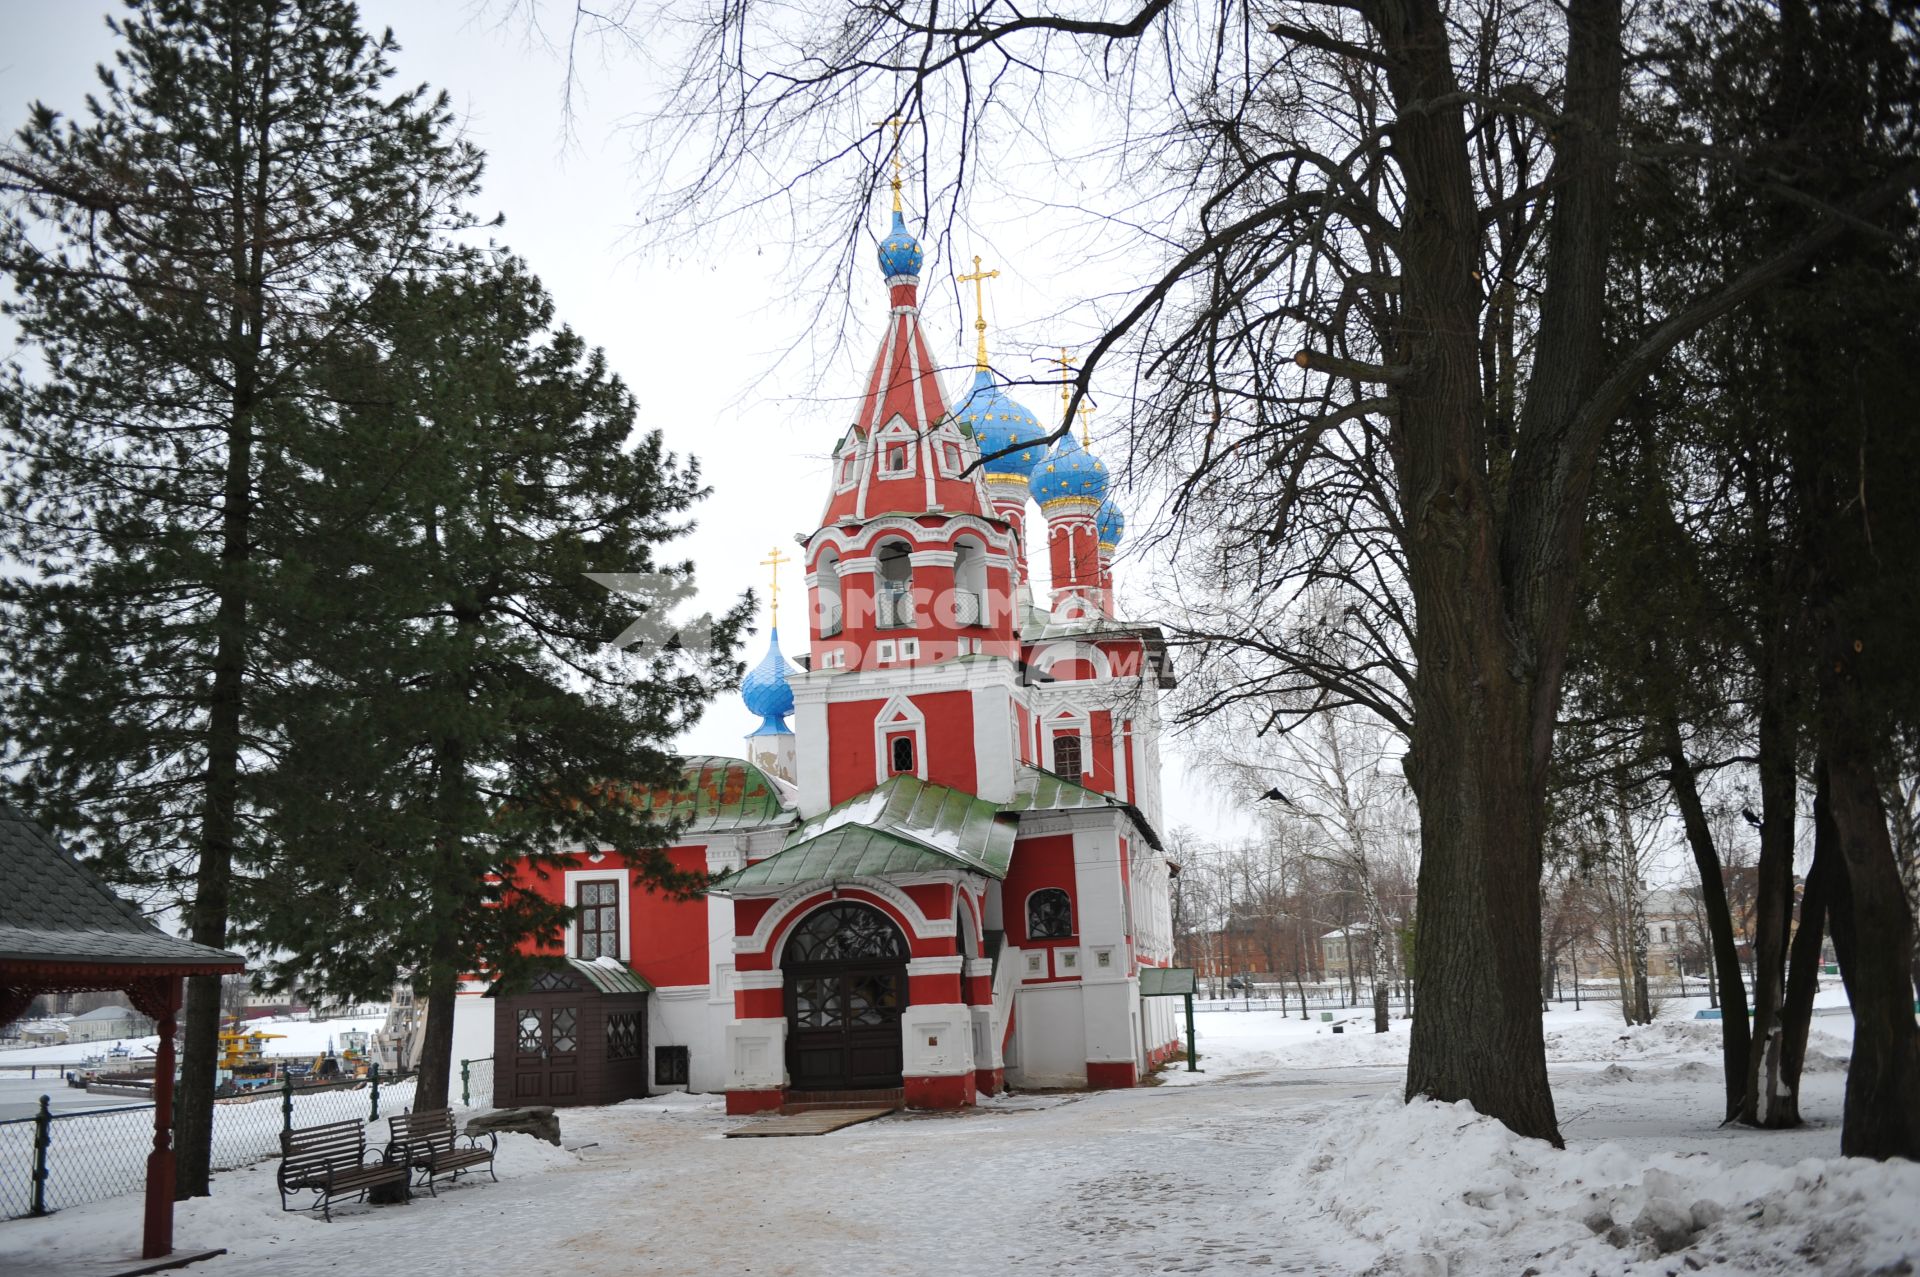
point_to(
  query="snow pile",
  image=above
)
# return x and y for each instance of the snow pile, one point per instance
(1433, 1189)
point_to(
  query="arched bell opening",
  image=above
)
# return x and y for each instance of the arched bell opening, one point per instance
(893, 585)
(969, 583)
(828, 606)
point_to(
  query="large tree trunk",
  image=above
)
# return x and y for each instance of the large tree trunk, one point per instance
(1803, 967)
(1735, 1032)
(432, 1083)
(219, 822)
(1882, 1115)
(1773, 899)
(1492, 572)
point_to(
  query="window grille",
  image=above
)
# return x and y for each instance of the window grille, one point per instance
(1066, 757)
(900, 755)
(623, 1035)
(1049, 915)
(671, 1065)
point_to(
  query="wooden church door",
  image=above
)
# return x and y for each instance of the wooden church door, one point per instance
(846, 985)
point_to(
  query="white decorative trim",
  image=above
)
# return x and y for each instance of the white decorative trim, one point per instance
(774, 979)
(997, 535)
(942, 964)
(682, 993)
(979, 966)
(571, 878)
(933, 558)
(923, 927)
(898, 715)
(1053, 653)
(1059, 720)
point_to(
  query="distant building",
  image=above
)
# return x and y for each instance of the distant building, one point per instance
(108, 1024)
(1348, 952)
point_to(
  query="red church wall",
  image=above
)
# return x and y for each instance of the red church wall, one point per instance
(948, 737)
(1100, 773)
(666, 939)
(936, 901)
(1038, 863)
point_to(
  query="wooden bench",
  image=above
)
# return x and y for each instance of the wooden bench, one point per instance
(331, 1161)
(424, 1142)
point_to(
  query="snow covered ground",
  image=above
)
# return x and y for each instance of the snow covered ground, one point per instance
(1290, 1153)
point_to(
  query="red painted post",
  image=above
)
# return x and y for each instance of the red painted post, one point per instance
(159, 1221)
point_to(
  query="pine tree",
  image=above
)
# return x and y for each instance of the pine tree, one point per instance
(476, 713)
(181, 254)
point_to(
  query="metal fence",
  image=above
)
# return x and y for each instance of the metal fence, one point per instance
(54, 1159)
(476, 1083)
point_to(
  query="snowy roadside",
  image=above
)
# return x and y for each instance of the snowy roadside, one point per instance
(1291, 1153)
(1433, 1189)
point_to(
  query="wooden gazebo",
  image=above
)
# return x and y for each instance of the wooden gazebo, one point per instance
(62, 930)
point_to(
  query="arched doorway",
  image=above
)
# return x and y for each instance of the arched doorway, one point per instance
(846, 981)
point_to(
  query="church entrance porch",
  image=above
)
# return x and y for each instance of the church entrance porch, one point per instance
(845, 969)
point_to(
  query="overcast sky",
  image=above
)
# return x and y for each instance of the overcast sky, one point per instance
(718, 347)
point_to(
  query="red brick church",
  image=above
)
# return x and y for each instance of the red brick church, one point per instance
(943, 876)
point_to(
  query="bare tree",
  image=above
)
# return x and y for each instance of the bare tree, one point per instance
(1383, 231)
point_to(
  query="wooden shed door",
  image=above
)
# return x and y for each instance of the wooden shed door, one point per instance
(547, 1054)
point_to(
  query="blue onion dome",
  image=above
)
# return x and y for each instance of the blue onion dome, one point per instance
(900, 252)
(1110, 524)
(1070, 473)
(997, 422)
(767, 693)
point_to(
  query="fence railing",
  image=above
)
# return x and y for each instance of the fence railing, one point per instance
(53, 1160)
(476, 1083)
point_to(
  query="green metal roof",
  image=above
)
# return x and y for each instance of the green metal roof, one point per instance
(719, 793)
(601, 975)
(902, 826)
(610, 977)
(1037, 790)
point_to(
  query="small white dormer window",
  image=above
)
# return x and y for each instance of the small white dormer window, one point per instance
(898, 459)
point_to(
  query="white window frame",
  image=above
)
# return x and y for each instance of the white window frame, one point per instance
(896, 434)
(847, 477)
(1068, 720)
(570, 881)
(898, 716)
(909, 649)
(883, 650)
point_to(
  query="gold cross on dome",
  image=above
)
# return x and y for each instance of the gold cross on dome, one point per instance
(773, 587)
(898, 163)
(1066, 363)
(1086, 430)
(978, 279)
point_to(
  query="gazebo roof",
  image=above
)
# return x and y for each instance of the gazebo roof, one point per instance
(54, 911)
